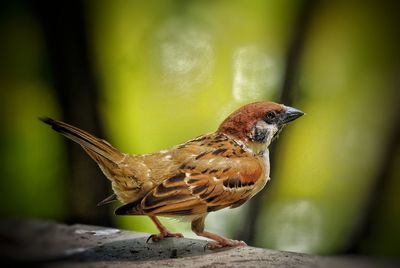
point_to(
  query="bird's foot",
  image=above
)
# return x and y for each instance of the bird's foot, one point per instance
(226, 243)
(163, 231)
(162, 235)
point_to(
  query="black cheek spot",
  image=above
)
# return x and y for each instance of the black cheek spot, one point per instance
(259, 136)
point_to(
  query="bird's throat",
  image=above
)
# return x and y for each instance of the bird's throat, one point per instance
(258, 148)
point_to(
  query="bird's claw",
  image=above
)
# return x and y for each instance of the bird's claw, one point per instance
(160, 236)
(226, 243)
(150, 237)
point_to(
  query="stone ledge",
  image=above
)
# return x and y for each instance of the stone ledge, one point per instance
(50, 244)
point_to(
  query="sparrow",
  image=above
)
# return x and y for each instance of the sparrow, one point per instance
(208, 173)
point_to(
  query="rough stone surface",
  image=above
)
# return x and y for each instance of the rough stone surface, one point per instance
(50, 244)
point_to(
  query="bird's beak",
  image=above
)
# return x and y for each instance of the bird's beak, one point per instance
(290, 114)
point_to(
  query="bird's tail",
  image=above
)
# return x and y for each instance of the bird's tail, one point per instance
(95, 147)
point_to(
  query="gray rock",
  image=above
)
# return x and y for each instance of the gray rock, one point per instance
(50, 244)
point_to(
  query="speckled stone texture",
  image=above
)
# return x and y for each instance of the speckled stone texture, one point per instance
(50, 244)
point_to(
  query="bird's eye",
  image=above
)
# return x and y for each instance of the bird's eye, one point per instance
(271, 115)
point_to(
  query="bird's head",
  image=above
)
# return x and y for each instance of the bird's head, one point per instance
(257, 124)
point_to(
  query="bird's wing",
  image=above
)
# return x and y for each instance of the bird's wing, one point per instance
(218, 178)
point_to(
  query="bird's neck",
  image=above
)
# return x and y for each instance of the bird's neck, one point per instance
(257, 148)
(254, 147)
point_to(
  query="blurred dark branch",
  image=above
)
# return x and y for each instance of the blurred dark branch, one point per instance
(64, 28)
(295, 48)
(363, 228)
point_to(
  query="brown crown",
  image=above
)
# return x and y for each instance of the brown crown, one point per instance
(240, 122)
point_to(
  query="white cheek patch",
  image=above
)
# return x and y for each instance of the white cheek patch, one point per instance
(271, 131)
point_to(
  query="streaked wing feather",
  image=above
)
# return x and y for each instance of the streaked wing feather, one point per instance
(200, 186)
(198, 194)
(172, 196)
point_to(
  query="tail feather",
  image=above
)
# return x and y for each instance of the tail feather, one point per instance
(108, 200)
(89, 142)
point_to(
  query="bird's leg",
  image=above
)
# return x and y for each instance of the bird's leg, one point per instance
(198, 228)
(163, 231)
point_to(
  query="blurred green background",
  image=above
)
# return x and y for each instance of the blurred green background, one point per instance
(146, 75)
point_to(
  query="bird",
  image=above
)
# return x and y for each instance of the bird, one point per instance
(211, 172)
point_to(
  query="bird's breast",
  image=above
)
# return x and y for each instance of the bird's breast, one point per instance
(264, 178)
(266, 163)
